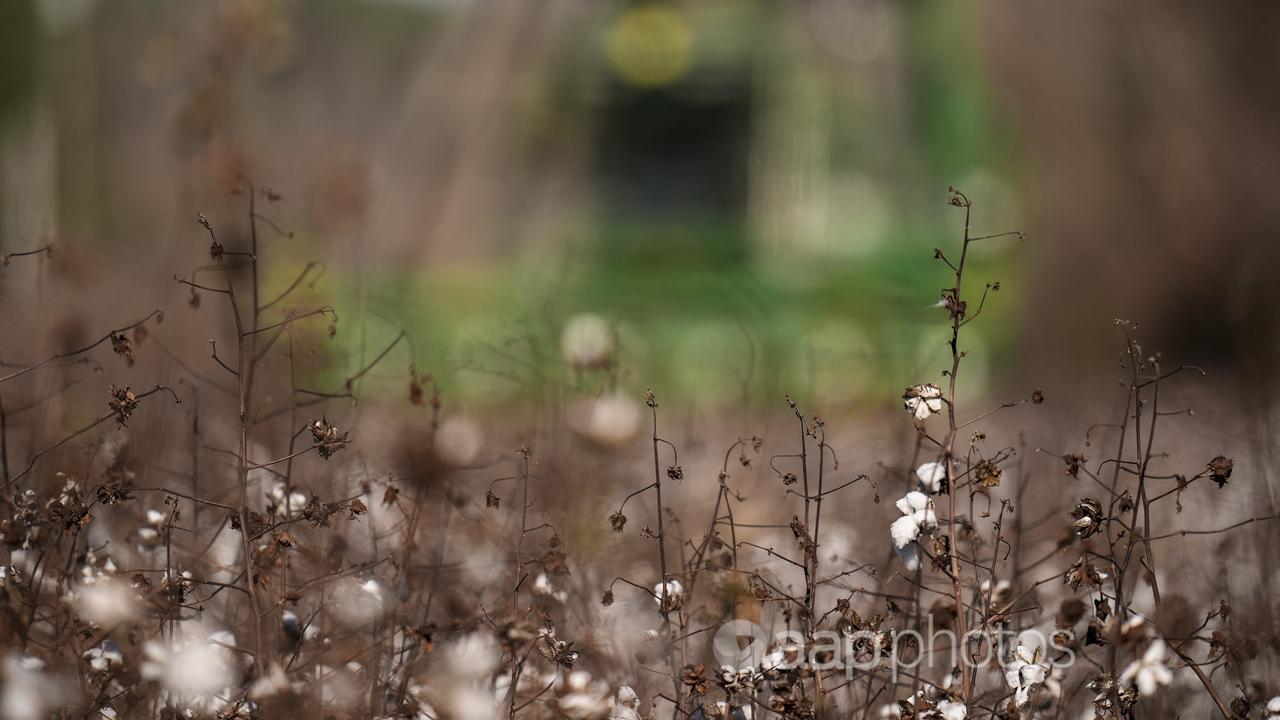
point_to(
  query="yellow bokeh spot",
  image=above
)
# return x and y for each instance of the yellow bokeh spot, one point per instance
(650, 46)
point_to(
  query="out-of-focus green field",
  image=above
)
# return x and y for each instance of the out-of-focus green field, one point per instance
(849, 335)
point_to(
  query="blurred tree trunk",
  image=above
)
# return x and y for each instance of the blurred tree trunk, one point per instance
(479, 138)
(1150, 133)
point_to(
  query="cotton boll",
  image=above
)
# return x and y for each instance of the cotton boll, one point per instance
(1150, 671)
(105, 601)
(357, 603)
(581, 698)
(273, 683)
(904, 531)
(28, 692)
(385, 519)
(587, 342)
(459, 441)
(669, 595)
(336, 688)
(470, 703)
(289, 502)
(626, 704)
(1001, 593)
(476, 560)
(196, 665)
(1024, 672)
(930, 477)
(542, 586)
(909, 555)
(104, 657)
(225, 555)
(609, 421)
(922, 400)
(471, 657)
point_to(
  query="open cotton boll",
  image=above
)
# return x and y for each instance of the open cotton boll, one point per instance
(909, 555)
(357, 603)
(28, 693)
(930, 477)
(918, 506)
(671, 593)
(335, 687)
(102, 658)
(470, 657)
(472, 703)
(922, 400)
(273, 683)
(917, 516)
(1150, 671)
(476, 560)
(289, 502)
(904, 531)
(580, 697)
(587, 341)
(626, 704)
(104, 600)
(543, 586)
(608, 421)
(196, 665)
(459, 441)
(1024, 672)
(225, 554)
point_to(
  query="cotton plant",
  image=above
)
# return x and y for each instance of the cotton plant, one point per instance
(918, 516)
(454, 637)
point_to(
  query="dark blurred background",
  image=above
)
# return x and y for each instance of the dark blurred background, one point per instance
(750, 189)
